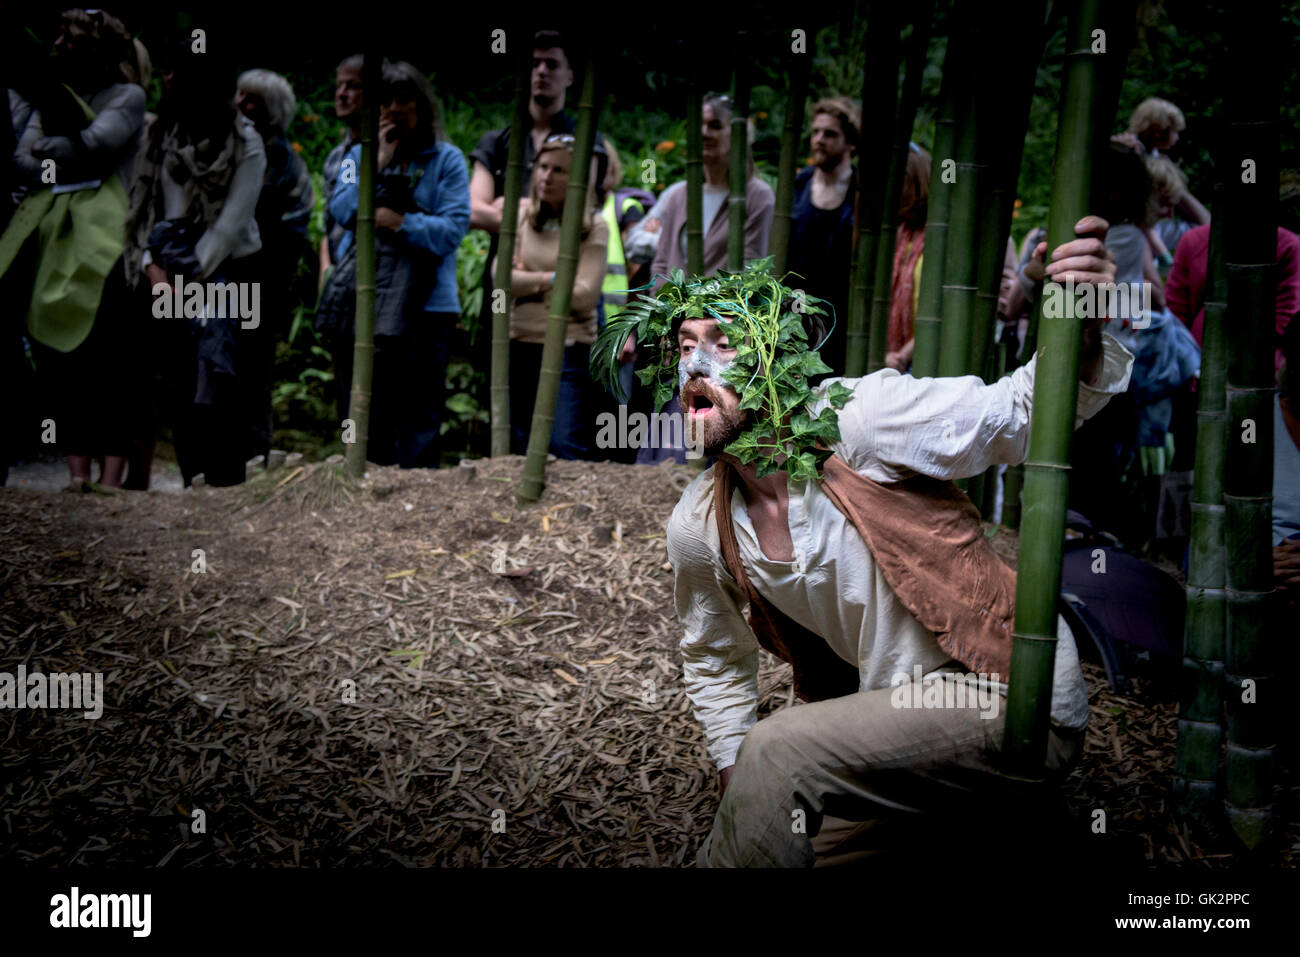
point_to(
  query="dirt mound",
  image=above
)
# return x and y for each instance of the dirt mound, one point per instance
(412, 669)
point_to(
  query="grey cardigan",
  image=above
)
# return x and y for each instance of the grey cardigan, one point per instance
(108, 144)
(759, 205)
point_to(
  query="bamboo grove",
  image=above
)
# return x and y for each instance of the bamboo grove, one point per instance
(979, 134)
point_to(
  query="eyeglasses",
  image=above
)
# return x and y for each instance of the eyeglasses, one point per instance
(562, 139)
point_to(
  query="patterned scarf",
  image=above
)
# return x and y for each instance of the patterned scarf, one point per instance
(908, 247)
(204, 170)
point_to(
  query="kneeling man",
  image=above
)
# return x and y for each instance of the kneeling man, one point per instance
(861, 563)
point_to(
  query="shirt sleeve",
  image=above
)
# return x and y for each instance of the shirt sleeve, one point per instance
(952, 428)
(486, 151)
(239, 208)
(1185, 287)
(592, 263)
(719, 651)
(117, 123)
(441, 230)
(758, 225)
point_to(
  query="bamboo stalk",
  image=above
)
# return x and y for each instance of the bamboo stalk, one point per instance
(739, 157)
(363, 349)
(1250, 253)
(879, 112)
(963, 217)
(694, 183)
(1008, 119)
(926, 328)
(1047, 469)
(791, 139)
(500, 392)
(566, 269)
(1200, 717)
(883, 275)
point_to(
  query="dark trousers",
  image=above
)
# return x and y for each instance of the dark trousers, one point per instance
(408, 391)
(574, 426)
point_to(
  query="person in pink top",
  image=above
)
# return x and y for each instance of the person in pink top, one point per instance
(1185, 289)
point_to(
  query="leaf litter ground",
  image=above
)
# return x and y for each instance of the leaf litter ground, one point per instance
(515, 666)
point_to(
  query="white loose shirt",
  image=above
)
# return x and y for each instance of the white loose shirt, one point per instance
(894, 426)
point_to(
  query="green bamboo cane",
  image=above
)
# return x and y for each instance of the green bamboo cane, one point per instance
(1250, 251)
(500, 392)
(925, 354)
(739, 157)
(1200, 717)
(791, 140)
(960, 259)
(363, 349)
(882, 278)
(1008, 122)
(694, 183)
(566, 270)
(879, 112)
(1047, 469)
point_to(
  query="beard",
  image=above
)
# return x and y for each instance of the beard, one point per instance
(827, 162)
(544, 100)
(718, 427)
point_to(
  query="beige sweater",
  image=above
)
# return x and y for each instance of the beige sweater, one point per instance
(538, 254)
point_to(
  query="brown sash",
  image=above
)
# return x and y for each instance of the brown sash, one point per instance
(925, 535)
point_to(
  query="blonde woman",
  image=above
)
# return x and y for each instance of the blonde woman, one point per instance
(532, 284)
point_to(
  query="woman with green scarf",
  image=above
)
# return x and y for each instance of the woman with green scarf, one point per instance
(73, 160)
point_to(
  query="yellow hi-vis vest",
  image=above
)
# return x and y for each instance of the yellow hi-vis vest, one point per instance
(613, 293)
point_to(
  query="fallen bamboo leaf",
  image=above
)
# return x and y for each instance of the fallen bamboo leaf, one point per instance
(405, 573)
(566, 676)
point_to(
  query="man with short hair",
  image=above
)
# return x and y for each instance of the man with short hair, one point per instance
(821, 230)
(347, 106)
(551, 78)
(869, 578)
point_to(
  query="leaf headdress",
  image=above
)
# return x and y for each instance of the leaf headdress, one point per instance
(764, 321)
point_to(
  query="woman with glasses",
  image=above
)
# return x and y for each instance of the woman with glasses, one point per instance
(532, 283)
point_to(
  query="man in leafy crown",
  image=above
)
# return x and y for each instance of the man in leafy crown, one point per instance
(862, 564)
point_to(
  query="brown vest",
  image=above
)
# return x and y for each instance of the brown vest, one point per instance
(925, 535)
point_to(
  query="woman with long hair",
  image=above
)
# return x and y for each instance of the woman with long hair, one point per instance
(909, 247)
(73, 160)
(197, 182)
(532, 284)
(760, 201)
(421, 215)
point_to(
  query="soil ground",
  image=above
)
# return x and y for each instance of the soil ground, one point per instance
(379, 673)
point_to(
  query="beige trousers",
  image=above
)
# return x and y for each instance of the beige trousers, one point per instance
(864, 768)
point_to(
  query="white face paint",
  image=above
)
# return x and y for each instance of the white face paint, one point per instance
(705, 360)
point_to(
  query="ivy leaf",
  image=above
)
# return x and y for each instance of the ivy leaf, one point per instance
(812, 364)
(838, 394)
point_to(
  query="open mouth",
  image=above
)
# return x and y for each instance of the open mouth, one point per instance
(700, 405)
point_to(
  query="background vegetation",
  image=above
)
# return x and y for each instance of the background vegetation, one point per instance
(1177, 51)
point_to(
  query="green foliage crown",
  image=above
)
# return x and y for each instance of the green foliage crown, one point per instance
(764, 321)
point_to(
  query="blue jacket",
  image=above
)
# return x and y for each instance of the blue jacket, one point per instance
(443, 196)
